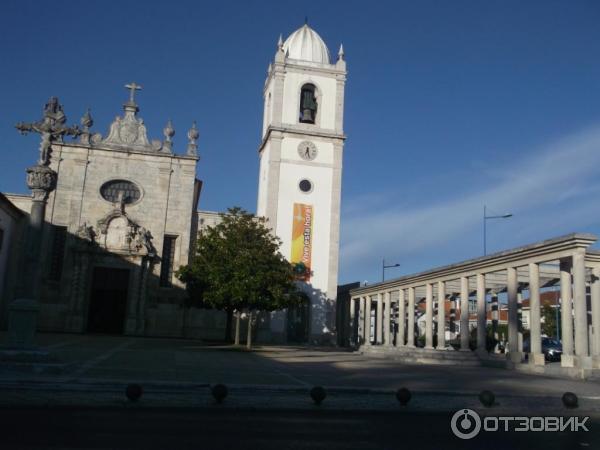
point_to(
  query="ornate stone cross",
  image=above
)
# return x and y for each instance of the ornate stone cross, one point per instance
(132, 88)
(51, 128)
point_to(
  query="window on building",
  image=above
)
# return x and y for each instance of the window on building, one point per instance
(57, 255)
(120, 190)
(308, 104)
(168, 259)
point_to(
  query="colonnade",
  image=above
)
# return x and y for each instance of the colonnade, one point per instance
(565, 262)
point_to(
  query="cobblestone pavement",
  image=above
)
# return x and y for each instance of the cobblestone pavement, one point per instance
(178, 373)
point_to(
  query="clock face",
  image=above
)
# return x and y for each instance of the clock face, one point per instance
(307, 150)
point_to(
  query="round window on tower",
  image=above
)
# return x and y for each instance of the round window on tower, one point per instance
(117, 191)
(305, 186)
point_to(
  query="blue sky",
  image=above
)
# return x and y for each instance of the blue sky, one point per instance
(449, 106)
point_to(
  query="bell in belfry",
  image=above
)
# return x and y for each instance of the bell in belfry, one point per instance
(309, 106)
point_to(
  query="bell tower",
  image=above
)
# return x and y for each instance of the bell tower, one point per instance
(300, 175)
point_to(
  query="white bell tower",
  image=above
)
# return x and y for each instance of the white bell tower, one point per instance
(300, 174)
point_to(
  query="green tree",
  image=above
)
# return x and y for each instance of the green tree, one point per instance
(549, 320)
(238, 267)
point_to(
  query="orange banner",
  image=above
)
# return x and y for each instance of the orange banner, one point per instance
(302, 240)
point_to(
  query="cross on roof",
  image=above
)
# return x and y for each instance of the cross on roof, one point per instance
(132, 88)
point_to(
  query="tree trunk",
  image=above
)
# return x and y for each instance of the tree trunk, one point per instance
(249, 338)
(228, 325)
(237, 327)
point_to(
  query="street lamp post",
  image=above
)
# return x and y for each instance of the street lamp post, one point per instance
(383, 267)
(485, 219)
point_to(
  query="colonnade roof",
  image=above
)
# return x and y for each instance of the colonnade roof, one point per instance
(547, 254)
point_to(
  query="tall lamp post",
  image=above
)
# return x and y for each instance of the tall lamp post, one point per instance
(383, 267)
(485, 219)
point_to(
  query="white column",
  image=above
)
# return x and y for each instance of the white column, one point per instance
(535, 328)
(360, 328)
(441, 318)
(410, 341)
(595, 298)
(495, 315)
(379, 320)
(429, 316)
(580, 305)
(513, 327)
(481, 312)
(368, 320)
(464, 314)
(566, 312)
(352, 322)
(401, 319)
(387, 321)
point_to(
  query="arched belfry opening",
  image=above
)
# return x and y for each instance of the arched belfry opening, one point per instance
(308, 103)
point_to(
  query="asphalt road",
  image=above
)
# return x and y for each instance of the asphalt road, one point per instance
(136, 428)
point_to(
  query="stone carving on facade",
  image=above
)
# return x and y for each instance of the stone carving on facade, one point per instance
(129, 131)
(169, 132)
(193, 134)
(41, 180)
(86, 122)
(122, 234)
(87, 233)
(51, 128)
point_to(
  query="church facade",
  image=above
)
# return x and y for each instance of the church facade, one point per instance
(124, 216)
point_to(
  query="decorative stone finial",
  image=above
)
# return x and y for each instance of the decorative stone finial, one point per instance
(193, 134)
(341, 52)
(169, 132)
(86, 122)
(280, 43)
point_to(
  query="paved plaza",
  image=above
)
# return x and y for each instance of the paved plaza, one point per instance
(101, 362)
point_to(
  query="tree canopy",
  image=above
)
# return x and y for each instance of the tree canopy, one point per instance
(238, 266)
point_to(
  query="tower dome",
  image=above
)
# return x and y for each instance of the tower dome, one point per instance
(306, 44)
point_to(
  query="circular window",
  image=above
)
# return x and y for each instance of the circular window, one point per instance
(117, 191)
(305, 186)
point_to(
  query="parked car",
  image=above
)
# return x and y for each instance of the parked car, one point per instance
(551, 348)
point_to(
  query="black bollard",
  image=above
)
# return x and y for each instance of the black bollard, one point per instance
(134, 392)
(219, 392)
(487, 398)
(403, 396)
(318, 394)
(570, 400)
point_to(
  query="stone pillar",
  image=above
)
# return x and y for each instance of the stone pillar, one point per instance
(481, 314)
(401, 319)
(535, 338)
(464, 314)
(22, 316)
(441, 317)
(379, 320)
(368, 320)
(513, 325)
(353, 336)
(410, 341)
(519, 320)
(566, 306)
(580, 306)
(595, 298)
(429, 316)
(495, 315)
(387, 321)
(361, 322)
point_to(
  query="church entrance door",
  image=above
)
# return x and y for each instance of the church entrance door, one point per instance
(108, 300)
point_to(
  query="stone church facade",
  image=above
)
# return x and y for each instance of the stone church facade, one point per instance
(123, 215)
